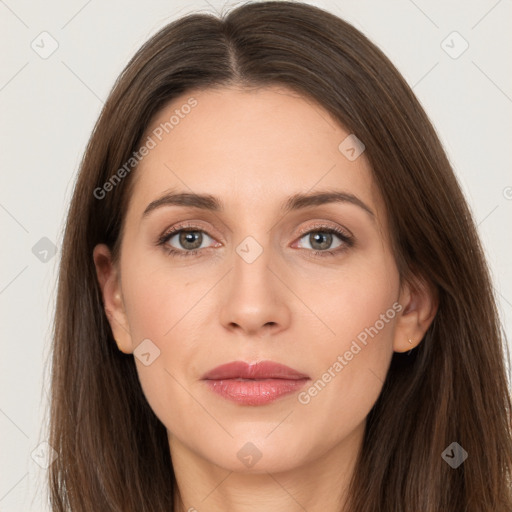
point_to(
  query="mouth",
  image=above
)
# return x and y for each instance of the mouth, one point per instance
(254, 384)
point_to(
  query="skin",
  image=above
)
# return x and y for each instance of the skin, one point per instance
(253, 149)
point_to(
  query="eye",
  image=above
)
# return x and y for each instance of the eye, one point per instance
(324, 241)
(184, 242)
(190, 240)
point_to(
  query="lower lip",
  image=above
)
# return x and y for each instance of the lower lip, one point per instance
(255, 392)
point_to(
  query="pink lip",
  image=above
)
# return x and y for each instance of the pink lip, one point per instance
(254, 384)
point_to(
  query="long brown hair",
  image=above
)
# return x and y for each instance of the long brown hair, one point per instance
(113, 453)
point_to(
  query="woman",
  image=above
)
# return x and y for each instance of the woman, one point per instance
(272, 295)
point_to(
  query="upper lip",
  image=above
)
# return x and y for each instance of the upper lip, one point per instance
(259, 370)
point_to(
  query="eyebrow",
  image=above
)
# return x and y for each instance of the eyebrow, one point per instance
(295, 202)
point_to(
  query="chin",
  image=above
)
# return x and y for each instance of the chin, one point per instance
(258, 454)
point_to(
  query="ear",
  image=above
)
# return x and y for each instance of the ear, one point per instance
(420, 303)
(109, 281)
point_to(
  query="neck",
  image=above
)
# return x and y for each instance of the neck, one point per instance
(312, 484)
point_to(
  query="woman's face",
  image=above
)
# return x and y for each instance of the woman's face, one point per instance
(269, 274)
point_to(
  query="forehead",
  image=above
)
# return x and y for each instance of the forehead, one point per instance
(252, 148)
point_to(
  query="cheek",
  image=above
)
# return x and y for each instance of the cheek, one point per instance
(351, 298)
(156, 298)
(158, 304)
(360, 309)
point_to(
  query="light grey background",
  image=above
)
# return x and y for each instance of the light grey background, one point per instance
(49, 105)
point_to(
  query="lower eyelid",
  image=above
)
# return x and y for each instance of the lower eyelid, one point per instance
(345, 240)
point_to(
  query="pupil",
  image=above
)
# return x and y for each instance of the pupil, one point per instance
(191, 237)
(323, 240)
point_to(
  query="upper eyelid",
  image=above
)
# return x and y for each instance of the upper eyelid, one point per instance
(193, 227)
(327, 227)
(185, 226)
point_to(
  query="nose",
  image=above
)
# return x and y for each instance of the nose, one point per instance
(254, 300)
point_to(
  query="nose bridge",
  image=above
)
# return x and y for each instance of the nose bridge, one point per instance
(251, 276)
(253, 298)
(253, 249)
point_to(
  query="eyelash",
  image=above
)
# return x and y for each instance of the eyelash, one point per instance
(347, 240)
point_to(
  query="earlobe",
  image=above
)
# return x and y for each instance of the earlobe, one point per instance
(420, 302)
(108, 279)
